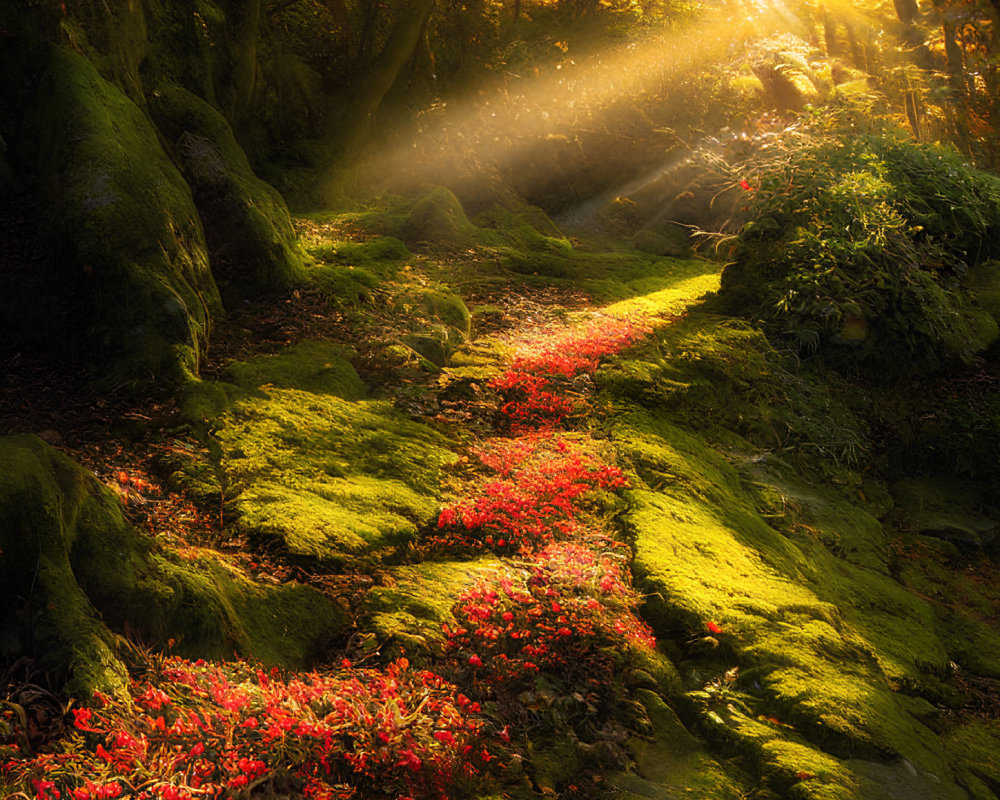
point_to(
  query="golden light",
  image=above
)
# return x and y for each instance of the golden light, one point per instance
(491, 128)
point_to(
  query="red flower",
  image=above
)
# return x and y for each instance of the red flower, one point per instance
(713, 627)
(444, 736)
(475, 660)
(82, 719)
(745, 185)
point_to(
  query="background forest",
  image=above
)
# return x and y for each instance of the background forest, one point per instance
(568, 398)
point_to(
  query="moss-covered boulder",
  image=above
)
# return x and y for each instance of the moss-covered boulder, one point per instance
(437, 217)
(51, 508)
(439, 322)
(670, 762)
(311, 366)
(133, 239)
(321, 471)
(249, 233)
(74, 572)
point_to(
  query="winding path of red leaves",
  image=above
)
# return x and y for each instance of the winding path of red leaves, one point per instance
(559, 605)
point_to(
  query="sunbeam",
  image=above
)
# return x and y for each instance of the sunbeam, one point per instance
(496, 127)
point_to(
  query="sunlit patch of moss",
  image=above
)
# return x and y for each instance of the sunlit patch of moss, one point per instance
(723, 378)
(408, 613)
(381, 251)
(705, 555)
(797, 579)
(327, 478)
(608, 274)
(317, 367)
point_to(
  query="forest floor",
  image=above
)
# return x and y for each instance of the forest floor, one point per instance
(585, 538)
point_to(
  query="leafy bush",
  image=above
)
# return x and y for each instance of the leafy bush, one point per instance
(865, 240)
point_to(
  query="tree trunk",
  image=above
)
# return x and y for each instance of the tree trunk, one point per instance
(380, 77)
(245, 59)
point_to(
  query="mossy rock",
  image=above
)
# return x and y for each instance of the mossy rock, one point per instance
(253, 247)
(670, 762)
(447, 307)
(50, 507)
(408, 613)
(437, 217)
(214, 611)
(326, 478)
(319, 367)
(825, 659)
(433, 349)
(129, 225)
(74, 571)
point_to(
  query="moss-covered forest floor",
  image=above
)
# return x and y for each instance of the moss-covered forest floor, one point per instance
(495, 512)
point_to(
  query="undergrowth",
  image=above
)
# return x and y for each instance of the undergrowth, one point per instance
(859, 243)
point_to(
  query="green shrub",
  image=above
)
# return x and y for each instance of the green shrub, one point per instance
(860, 245)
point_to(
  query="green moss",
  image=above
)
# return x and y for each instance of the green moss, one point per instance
(380, 250)
(798, 575)
(201, 401)
(328, 478)
(722, 377)
(437, 217)
(74, 571)
(439, 304)
(670, 761)
(249, 233)
(318, 367)
(216, 612)
(408, 613)
(130, 226)
(50, 505)
(973, 747)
